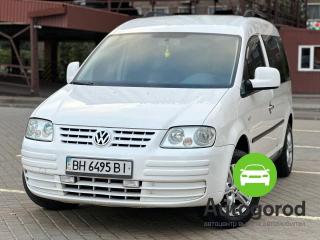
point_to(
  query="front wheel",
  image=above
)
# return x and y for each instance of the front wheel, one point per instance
(235, 209)
(46, 203)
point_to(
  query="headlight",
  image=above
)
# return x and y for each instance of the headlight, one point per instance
(189, 137)
(40, 130)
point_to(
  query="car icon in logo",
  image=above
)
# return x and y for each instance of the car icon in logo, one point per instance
(255, 173)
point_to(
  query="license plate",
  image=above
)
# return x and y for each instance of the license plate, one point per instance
(99, 167)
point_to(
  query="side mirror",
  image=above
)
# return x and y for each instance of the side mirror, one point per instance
(266, 78)
(72, 70)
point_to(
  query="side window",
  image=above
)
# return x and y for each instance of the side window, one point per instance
(277, 56)
(254, 58)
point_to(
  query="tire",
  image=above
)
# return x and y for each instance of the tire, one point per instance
(46, 203)
(284, 162)
(220, 219)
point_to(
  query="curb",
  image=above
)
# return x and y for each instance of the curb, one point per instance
(19, 105)
(20, 102)
(306, 96)
(306, 109)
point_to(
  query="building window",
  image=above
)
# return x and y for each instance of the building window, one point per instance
(139, 10)
(186, 10)
(316, 62)
(309, 58)
(80, 2)
(212, 9)
(314, 11)
(305, 58)
(161, 10)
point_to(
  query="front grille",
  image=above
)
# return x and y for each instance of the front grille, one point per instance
(77, 135)
(101, 188)
(120, 137)
(113, 189)
(132, 138)
(105, 189)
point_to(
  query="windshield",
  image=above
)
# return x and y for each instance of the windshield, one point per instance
(255, 167)
(176, 60)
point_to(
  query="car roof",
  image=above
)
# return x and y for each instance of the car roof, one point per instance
(221, 24)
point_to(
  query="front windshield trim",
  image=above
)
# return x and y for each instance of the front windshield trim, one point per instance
(233, 74)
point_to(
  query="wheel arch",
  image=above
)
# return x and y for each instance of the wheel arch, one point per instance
(243, 144)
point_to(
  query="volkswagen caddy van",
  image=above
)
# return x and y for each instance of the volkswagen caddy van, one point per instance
(159, 113)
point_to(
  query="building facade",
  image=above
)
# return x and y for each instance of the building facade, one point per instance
(286, 12)
(43, 18)
(303, 51)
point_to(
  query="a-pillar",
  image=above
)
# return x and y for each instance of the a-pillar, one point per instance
(34, 59)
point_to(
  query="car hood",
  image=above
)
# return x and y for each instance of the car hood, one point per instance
(129, 107)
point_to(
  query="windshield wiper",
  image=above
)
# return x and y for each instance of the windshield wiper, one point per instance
(82, 83)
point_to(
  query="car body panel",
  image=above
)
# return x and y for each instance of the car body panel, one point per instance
(44, 163)
(234, 25)
(129, 107)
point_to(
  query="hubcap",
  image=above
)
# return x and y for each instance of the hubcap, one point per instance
(289, 149)
(234, 203)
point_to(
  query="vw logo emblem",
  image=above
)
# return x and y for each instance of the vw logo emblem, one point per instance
(102, 138)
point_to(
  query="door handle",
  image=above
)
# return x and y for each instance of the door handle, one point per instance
(270, 108)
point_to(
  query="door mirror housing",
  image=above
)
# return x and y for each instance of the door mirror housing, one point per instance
(72, 70)
(266, 78)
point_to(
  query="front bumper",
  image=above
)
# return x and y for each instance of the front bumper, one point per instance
(167, 177)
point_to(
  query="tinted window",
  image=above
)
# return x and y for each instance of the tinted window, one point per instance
(177, 60)
(313, 11)
(254, 58)
(305, 57)
(277, 56)
(316, 62)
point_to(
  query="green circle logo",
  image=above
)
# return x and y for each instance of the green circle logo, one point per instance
(255, 175)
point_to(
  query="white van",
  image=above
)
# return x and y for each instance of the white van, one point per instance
(159, 112)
